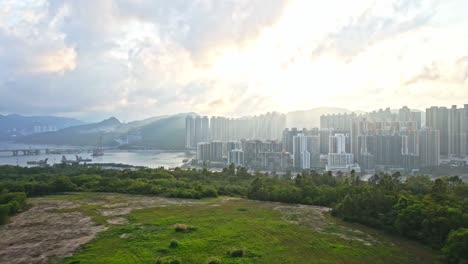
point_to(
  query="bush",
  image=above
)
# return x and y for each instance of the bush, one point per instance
(456, 247)
(184, 228)
(4, 213)
(181, 228)
(174, 244)
(237, 253)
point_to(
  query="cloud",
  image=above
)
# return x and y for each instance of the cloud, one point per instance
(138, 58)
(377, 22)
(454, 72)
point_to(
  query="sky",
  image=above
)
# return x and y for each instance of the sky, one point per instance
(136, 58)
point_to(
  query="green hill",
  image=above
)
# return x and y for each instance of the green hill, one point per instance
(158, 132)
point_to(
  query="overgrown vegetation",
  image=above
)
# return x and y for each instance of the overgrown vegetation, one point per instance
(417, 208)
(10, 204)
(226, 235)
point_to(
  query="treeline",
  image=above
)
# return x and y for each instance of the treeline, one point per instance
(433, 212)
(178, 183)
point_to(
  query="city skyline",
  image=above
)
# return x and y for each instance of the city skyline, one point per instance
(380, 140)
(231, 58)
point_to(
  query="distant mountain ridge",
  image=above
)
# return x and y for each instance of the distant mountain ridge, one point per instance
(15, 125)
(163, 132)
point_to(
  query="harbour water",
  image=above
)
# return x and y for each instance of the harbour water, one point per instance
(146, 158)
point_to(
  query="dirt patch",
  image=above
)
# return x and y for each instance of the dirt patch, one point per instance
(314, 218)
(135, 202)
(43, 232)
(115, 205)
(118, 221)
(124, 236)
(116, 211)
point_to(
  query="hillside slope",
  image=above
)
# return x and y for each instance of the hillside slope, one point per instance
(158, 132)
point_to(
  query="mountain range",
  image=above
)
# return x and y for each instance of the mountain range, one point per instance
(162, 132)
(14, 125)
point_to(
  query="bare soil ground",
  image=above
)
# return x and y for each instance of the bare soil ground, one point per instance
(314, 217)
(40, 233)
(54, 227)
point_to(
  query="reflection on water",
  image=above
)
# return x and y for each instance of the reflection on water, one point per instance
(147, 158)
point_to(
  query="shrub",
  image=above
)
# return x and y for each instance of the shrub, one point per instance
(4, 213)
(456, 247)
(174, 244)
(181, 228)
(237, 253)
(184, 228)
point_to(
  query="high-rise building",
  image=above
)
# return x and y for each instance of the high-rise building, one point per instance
(263, 127)
(203, 151)
(301, 154)
(337, 144)
(252, 149)
(189, 132)
(366, 161)
(236, 156)
(233, 144)
(210, 151)
(276, 160)
(339, 160)
(324, 134)
(337, 156)
(338, 122)
(405, 115)
(437, 118)
(288, 135)
(458, 131)
(198, 130)
(313, 147)
(205, 129)
(429, 147)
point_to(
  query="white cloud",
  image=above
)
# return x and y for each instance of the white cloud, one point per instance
(140, 58)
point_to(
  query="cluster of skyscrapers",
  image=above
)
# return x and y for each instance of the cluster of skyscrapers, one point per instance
(452, 124)
(383, 140)
(203, 129)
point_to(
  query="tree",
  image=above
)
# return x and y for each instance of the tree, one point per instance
(456, 247)
(418, 184)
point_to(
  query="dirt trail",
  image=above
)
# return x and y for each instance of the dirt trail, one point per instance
(42, 233)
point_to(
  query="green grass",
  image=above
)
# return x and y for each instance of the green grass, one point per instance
(220, 227)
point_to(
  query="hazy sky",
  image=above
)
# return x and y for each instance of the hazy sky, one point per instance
(136, 58)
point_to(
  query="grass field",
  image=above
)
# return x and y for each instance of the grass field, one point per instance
(219, 230)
